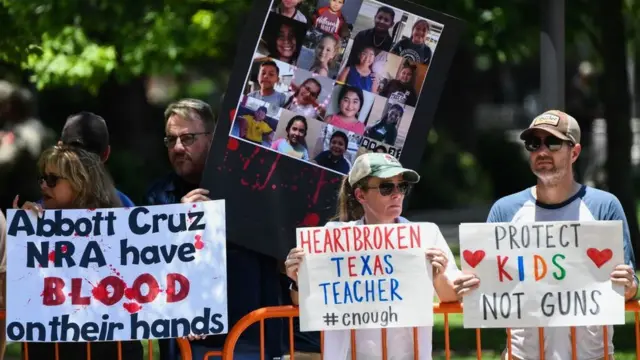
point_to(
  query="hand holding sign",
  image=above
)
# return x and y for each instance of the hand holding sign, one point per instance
(623, 275)
(465, 283)
(195, 196)
(292, 264)
(438, 259)
(28, 205)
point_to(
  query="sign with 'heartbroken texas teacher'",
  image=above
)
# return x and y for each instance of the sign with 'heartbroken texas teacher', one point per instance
(543, 274)
(117, 274)
(365, 276)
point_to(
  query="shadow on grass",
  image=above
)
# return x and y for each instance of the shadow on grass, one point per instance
(462, 341)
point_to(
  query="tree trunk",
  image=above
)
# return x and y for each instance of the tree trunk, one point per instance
(617, 111)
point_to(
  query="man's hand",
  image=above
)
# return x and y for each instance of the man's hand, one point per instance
(623, 275)
(196, 196)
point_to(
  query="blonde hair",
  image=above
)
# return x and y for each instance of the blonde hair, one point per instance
(86, 173)
(349, 208)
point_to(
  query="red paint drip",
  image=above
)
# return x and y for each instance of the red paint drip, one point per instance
(321, 183)
(63, 248)
(248, 161)
(199, 244)
(52, 256)
(266, 181)
(311, 219)
(132, 307)
(233, 144)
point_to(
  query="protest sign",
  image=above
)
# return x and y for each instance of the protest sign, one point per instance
(543, 274)
(116, 274)
(294, 116)
(365, 277)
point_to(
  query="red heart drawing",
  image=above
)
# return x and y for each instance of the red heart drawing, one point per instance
(132, 307)
(599, 257)
(473, 258)
(128, 292)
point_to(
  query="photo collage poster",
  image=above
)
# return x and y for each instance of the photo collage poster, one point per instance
(313, 86)
(328, 87)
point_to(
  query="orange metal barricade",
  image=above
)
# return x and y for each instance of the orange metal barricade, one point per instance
(289, 312)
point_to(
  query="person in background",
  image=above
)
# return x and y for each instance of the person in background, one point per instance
(23, 137)
(254, 128)
(401, 90)
(414, 48)
(350, 102)
(294, 144)
(553, 142)
(373, 193)
(330, 19)
(334, 157)
(377, 37)
(73, 178)
(289, 8)
(386, 130)
(252, 278)
(268, 77)
(89, 132)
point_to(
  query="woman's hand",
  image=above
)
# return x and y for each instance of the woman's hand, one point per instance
(438, 260)
(28, 205)
(292, 264)
(465, 283)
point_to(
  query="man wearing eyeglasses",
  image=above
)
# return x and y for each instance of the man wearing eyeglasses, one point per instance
(252, 279)
(553, 142)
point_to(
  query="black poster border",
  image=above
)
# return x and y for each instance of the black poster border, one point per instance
(262, 207)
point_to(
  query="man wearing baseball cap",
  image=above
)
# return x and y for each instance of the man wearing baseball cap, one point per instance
(553, 142)
(89, 132)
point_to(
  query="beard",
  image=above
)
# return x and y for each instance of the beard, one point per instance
(548, 175)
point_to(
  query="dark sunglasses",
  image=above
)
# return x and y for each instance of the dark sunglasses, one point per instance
(534, 143)
(185, 139)
(49, 179)
(389, 188)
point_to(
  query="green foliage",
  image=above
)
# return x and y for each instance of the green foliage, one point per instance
(502, 30)
(83, 42)
(450, 177)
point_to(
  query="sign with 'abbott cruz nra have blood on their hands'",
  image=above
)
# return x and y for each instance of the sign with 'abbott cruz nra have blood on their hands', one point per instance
(364, 277)
(543, 274)
(117, 274)
(311, 92)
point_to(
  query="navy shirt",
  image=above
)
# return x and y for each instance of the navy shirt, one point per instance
(252, 280)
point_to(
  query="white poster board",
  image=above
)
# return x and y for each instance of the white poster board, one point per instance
(365, 277)
(117, 274)
(542, 274)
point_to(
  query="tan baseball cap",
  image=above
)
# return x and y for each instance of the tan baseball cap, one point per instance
(556, 123)
(379, 165)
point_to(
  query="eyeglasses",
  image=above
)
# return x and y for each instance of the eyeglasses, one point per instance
(50, 179)
(185, 139)
(389, 188)
(534, 143)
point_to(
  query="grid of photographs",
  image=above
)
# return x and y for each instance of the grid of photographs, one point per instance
(332, 79)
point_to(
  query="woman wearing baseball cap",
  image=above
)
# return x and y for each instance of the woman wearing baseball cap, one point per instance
(373, 193)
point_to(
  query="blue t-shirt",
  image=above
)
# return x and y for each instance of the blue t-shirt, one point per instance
(588, 204)
(126, 202)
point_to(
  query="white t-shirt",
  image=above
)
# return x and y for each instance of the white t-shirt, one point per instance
(337, 343)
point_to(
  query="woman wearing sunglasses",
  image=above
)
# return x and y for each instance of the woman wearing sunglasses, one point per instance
(373, 193)
(72, 178)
